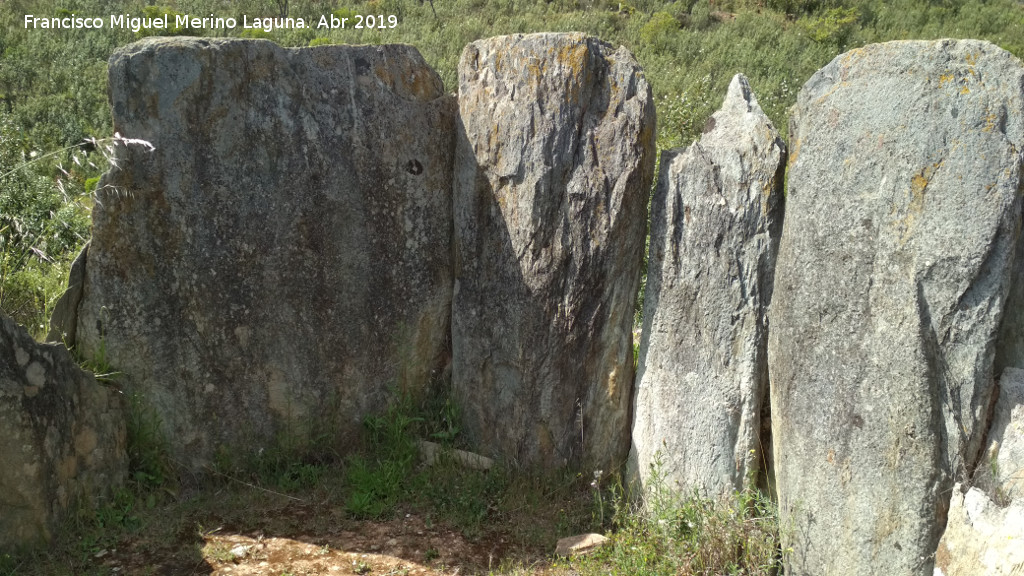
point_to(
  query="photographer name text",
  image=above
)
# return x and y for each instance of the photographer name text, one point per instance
(180, 21)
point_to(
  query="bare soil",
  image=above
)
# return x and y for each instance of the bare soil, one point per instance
(283, 536)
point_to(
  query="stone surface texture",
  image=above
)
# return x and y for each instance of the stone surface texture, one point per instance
(554, 161)
(716, 217)
(902, 214)
(62, 438)
(981, 538)
(282, 261)
(1002, 468)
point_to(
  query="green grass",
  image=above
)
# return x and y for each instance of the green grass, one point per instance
(659, 532)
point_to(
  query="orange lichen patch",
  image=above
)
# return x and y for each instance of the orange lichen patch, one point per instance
(384, 74)
(972, 58)
(851, 56)
(499, 61)
(612, 384)
(945, 78)
(794, 152)
(421, 86)
(574, 56)
(965, 89)
(918, 184)
(545, 439)
(990, 122)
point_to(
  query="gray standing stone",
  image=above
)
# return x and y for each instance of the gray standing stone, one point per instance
(703, 373)
(901, 219)
(554, 164)
(62, 438)
(282, 261)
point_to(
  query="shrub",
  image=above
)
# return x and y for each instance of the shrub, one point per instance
(657, 29)
(834, 26)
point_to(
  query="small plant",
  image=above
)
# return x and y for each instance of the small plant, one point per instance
(218, 551)
(360, 567)
(149, 465)
(447, 429)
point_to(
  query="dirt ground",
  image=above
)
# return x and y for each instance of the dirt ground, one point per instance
(298, 539)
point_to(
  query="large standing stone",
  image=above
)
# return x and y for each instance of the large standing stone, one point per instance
(901, 220)
(703, 372)
(62, 437)
(281, 261)
(554, 163)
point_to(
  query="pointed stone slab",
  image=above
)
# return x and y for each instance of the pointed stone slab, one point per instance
(703, 373)
(902, 214)
(554, 162)
(281, 262)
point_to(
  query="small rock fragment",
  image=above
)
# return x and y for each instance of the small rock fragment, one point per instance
(579, 544)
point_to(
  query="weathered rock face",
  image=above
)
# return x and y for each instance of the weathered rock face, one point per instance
(981, 538)
(62, 437)
(281, 261)
(984, 535)
(553, 165)
(1002, 466)
(901, 219)
(703, 371)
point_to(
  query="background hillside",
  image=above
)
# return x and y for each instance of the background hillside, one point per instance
(53, 82)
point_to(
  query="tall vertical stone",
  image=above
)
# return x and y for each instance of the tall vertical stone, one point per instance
(902, 215)
(554, 160)
(703, 372)
(281, 261)
(62, 438)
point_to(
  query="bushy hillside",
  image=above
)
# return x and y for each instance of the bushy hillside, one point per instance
(53, 84)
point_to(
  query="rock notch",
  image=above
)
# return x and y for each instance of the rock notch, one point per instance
(703, 372)
(62, 438)
(554, 160)
(281, 262)
(1001, 469)
(981, 537)
(901, 220)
